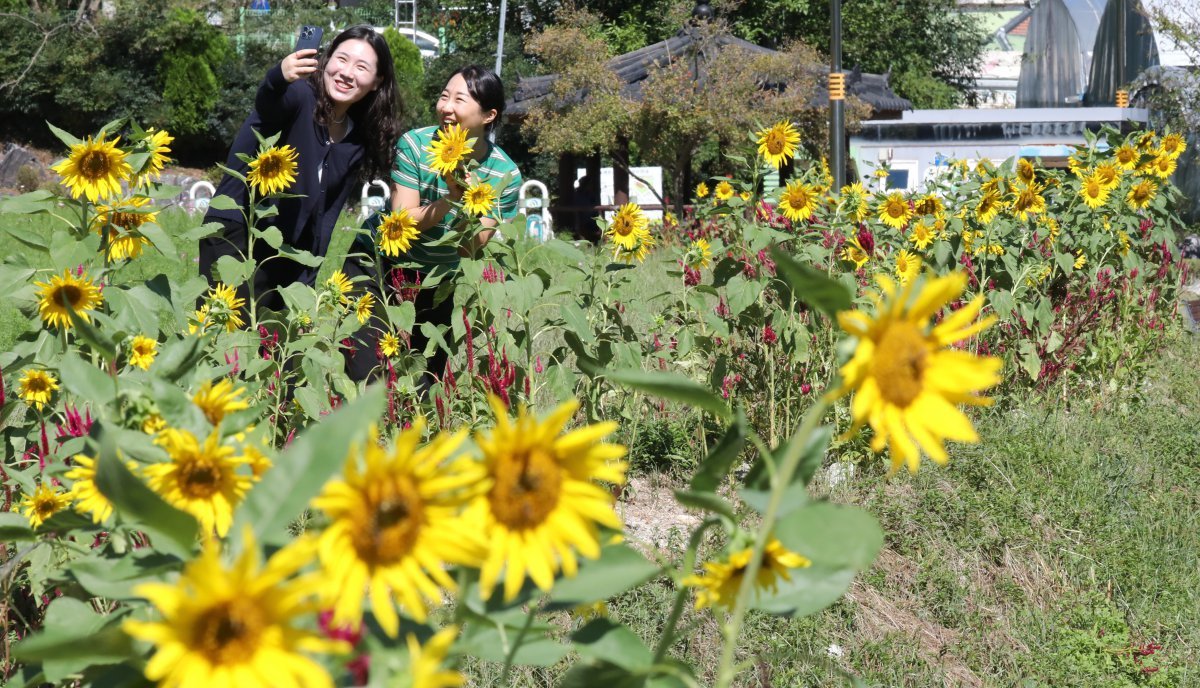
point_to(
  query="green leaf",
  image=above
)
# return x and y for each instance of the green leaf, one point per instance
(809, 591)
(1002, 303)
(810, 286)
(492, 644)
(300, 256)
(159, 238)
(67, 138)
(1030, 362)
(85, 381)
(89, 333)
(271, 235)
(707, 501)
(31, 203)
(602, 639)
(577, 321)
(592, 673)
(742, 292)
(171, 530)
(179, 357)
(1066, 262)
(14, 527)
(403, 316)
(812, 456)
(234, 272)
(223, 202)
(302, 469)
(721, 456)
(75, 638)
(671, 386)
(115, 578)
(618, 569)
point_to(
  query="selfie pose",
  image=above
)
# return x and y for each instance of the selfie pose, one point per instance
(473, 99)
(338, 112)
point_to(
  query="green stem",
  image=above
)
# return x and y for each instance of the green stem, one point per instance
(512, 651)
(795, 451)
(689, 565)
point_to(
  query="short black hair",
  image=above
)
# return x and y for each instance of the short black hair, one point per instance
(486, 88)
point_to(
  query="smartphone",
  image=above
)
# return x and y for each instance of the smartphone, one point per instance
(309, 38)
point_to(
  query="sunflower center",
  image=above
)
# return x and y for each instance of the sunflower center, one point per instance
(270, 166)
(797, 198)
(36, 385)
(775, 142)
(95, 164)
(68, 295)
(896, 208)
(900, 361)
(621, 225)
(127, 220)
(229, 632)
(393, 523)
(45, 508)
(199, 478)
(528, 487)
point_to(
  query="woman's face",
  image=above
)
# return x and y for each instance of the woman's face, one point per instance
(351, 72)
(456, 106)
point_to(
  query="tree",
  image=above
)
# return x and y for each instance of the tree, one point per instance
(587, 110)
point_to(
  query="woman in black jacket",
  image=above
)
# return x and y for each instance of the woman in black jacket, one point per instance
(339, 113)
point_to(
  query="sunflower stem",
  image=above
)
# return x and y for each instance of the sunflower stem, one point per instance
(795, 451)
(689, 565)
(516, 644)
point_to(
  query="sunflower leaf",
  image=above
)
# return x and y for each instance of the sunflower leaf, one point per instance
(303, 468)
(172, 531)
(603, 639)
(671, 386)
(721, 456)
(89, 333)
(67, 138)
(223, 202)
(156, 235)
(810, 286)
(76, 637)
(86, 381)
(14, 527)
(233, 272)
(618, 569)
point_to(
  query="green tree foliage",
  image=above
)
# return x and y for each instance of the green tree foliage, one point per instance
(410, 79)
(187, 72)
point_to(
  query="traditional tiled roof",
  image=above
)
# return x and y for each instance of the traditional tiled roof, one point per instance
(634, 67)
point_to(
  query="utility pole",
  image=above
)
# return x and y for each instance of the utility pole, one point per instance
(837, 99)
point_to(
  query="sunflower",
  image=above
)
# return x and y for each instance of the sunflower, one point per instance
(200, 479)
(1029, 202)
(929, 204)
(797, 201)
(479, 199)
(721, 581)
(153, 423)
(273, 171)
(223, 305)
(1141, 194)
(1123, 239)
(219, 400)
(64, 295)
(1094, 192)
(1025, 171)
(699, 255)
(235, 627)
(1109, 174)
(389, 344)
(723, 191)
(394, 524)
(1145, 142)
(1162, 166)
(88, 498)
(895, 211)
(907, 378)
(855, 253)
(921, 235)
(340, 284)
(119, 224)
(908, 266)
(425, 662)
(701, 190)
(142, 352)
(397, 232)
(1173, 145)
(1080, 259)
(988, 207)
(94, 168)
(449, 149)
(44, 503)
(36, 387)
(854, 200)
(542, 505)
(629, 228)
(778, 143)
(156, 143)
(363, 308)
(636, 254)
(1126, 156)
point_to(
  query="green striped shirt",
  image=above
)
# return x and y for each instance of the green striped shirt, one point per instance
(412, 171)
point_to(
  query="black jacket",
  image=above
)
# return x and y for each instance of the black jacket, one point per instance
(308, 222)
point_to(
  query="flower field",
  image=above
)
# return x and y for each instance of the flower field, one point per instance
(197, 494)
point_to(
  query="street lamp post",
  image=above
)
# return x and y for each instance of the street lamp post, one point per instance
(837, 102)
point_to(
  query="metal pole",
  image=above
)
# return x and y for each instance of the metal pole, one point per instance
(837, 108)
(500, 40)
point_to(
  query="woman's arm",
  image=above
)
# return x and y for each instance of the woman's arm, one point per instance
(275, 101)
(426, 216)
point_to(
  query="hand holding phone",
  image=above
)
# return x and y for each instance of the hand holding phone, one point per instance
(309, 38)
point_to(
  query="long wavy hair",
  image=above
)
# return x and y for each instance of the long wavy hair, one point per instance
(377, 113)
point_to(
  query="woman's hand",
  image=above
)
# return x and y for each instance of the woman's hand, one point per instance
(299, 64)
(453, 187)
